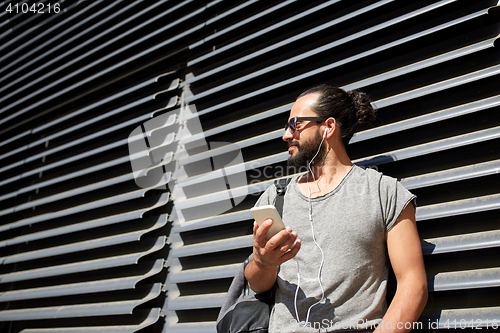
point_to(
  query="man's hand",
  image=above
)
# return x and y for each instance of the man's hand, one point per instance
(269, 254)
(275, 251)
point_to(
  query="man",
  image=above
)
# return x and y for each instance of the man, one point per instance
(349, 221)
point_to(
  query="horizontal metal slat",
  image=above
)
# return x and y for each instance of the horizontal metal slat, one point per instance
(71, 144)
(93, 38)
(72, 175)
(84, 266)
(436, 87)
(81, 246)
(235, 169)
(121, 283)
(213, 246)
(95, 105)
(75, 174)
(431, 147)
(200, 327)
(81, 208)
(101, 184)
(300, 56)
(426, 119)
(224, 149)
(86, 67)
(478, 278)
(233, 10)
(235, 26)
(67, 194)
(196, 302)
(108, 220)
(30, 28)
(83, 310)
(452, 175)
(8, 30)
(459, 207)
(323, 48)
(72, 210)
(212, 221)
(70, 159)
(15, 137)
(89, 137)
(152, 317)
(339, 63)
(236, 124)
(366, 134)
(74, 158)
(53, 60)
(461, 52)
(23, 55)
(465, 242)
(264, 31)
(177, 275)
(63, 42)
(79, 190)
(235, 192)
(479, 317)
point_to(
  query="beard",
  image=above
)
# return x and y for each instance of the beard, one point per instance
(306, 152)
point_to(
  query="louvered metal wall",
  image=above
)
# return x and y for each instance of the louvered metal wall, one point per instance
(83, 247)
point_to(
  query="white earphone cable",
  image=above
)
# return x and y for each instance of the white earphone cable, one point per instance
(315, 242)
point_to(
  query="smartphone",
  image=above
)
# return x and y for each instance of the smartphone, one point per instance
(262, 213)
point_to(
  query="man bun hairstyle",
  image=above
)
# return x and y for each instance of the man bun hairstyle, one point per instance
(362, 103)
(350, 108)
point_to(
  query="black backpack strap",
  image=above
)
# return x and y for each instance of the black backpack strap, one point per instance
(281, 185)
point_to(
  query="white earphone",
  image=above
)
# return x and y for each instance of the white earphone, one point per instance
(324, 133)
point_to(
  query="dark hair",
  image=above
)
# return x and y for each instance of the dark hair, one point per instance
(350, 108)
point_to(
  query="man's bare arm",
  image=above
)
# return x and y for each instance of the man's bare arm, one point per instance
(405, 254)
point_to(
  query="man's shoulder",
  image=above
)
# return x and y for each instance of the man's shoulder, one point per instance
(378, 180)
(367, 173)
(372, 173)
(268, 196)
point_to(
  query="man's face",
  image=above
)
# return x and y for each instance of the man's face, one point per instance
(306, 151)
(305, 142)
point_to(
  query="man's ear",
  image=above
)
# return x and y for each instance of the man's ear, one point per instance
(331, 127)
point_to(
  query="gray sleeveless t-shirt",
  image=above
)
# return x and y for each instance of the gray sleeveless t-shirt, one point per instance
(350, 224)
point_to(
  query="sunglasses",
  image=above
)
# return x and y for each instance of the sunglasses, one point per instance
(292, 124)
